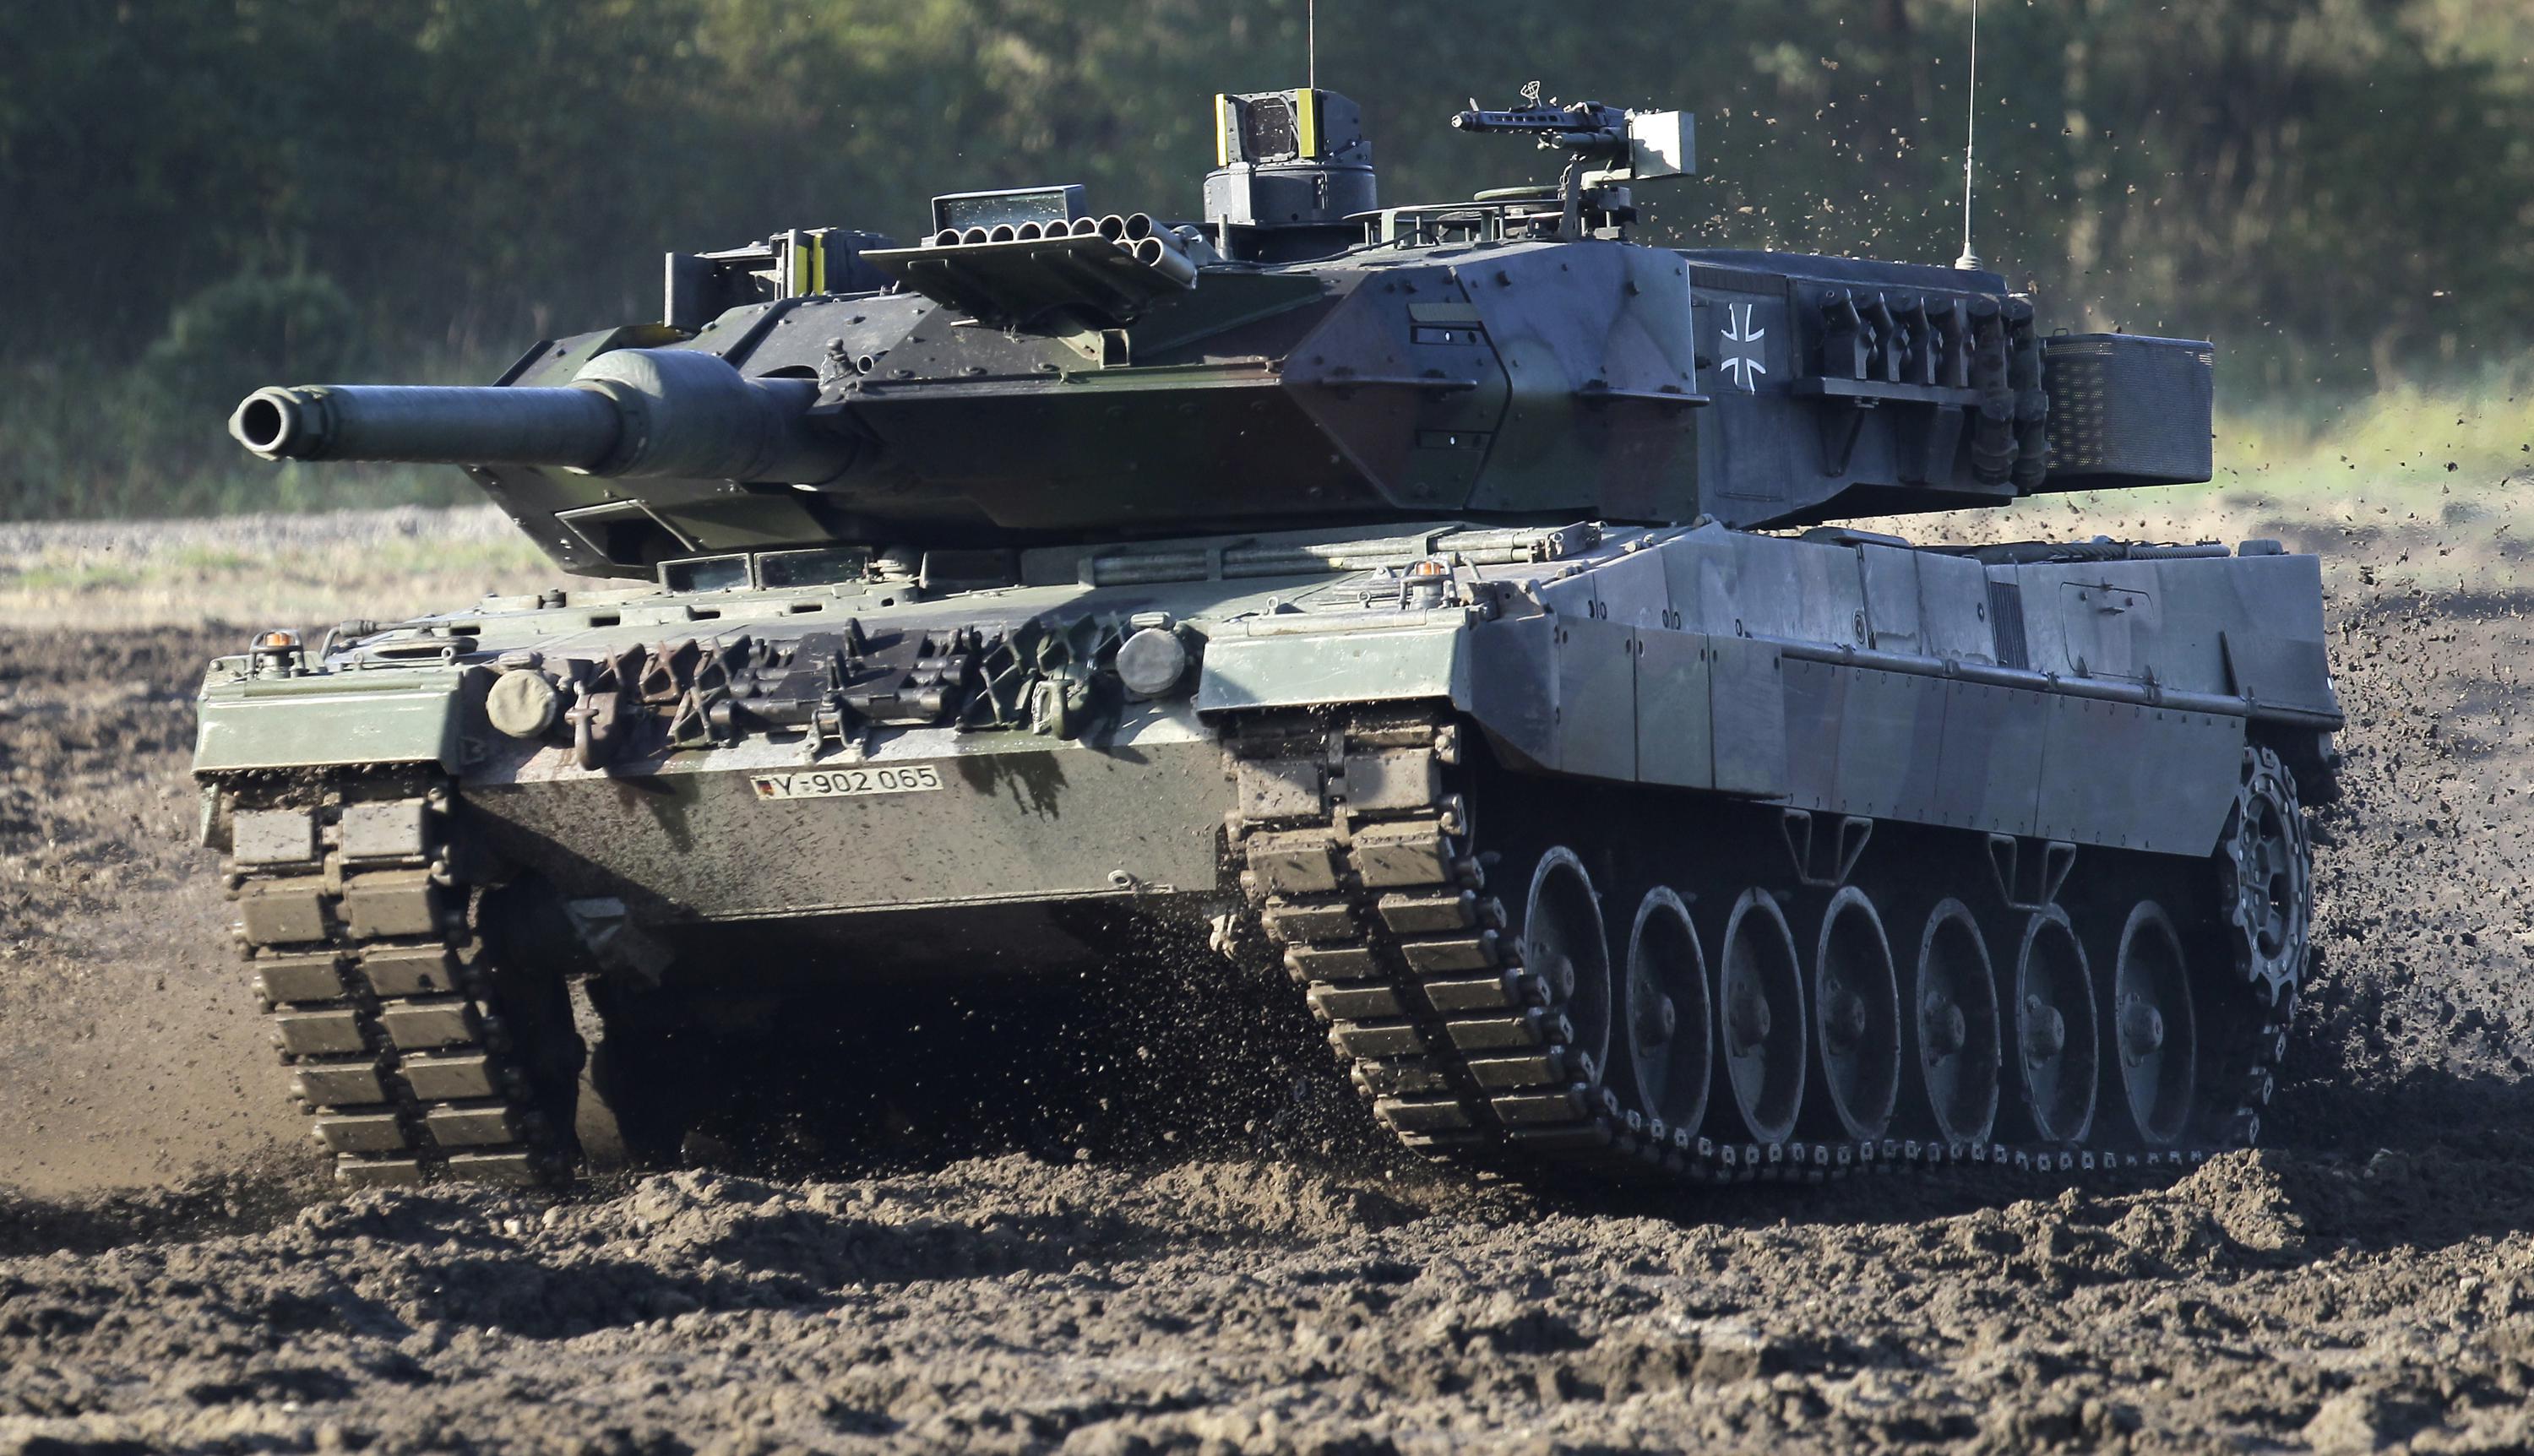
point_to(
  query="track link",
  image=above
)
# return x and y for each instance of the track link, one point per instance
(386, 1005)
(1356, 862)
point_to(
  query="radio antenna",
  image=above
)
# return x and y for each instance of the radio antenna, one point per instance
(1970, 133)
(1311, 42)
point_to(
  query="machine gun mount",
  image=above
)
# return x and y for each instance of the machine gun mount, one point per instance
(1606, 148)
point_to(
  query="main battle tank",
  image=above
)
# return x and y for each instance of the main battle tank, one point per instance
(1444, 605)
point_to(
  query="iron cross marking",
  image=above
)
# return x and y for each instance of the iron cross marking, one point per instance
(1744, 363)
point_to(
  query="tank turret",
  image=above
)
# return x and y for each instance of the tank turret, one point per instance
(1032, 372)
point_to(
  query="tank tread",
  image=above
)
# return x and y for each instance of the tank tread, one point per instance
(1382, 915)
(383, 1007)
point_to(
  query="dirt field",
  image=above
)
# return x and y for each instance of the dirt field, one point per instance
(173, 1275)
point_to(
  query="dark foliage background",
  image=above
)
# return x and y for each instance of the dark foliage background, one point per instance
(197, 196)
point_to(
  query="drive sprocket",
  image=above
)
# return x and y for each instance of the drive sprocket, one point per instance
(2265, 878)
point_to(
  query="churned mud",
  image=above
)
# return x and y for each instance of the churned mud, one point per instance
(174, 1275)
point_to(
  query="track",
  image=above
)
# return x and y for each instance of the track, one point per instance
(416, 1054)
(1536, 1036)
(2014, 1042)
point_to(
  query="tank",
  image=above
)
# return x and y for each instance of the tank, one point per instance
(1443, 615)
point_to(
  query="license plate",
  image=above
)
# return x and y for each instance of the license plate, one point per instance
(837, 783)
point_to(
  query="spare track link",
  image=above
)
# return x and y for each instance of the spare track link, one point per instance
(383, 1004)
(1357, 864)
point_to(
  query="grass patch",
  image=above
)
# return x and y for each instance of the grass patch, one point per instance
(73, 577)
(210, 560)
(298, 571)
(2449, 454)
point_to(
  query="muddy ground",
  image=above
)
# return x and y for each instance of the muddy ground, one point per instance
(173, 1274)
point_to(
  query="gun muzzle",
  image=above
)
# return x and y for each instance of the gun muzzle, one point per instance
(674, 414)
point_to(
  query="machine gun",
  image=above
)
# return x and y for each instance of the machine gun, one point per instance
(1606, 147)
(1583, 127)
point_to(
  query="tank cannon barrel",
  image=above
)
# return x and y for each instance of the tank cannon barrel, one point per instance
(567, 426)
(629, 414)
